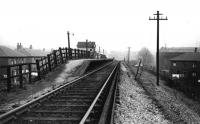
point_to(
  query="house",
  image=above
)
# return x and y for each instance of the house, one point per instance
(165, 54)
(20, 55)
(186, 67)
(90, 46)
(31, 54)
(9, 57)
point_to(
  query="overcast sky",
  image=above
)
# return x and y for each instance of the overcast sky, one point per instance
(112, 24)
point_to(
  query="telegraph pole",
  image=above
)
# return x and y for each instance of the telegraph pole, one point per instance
(129, 54)
(157, 18)
(68, 39)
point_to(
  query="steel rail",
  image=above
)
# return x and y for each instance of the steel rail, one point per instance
(107, 113)
(27, 106)
(83, 120)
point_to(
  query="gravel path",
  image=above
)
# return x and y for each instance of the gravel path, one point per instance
(135, 106)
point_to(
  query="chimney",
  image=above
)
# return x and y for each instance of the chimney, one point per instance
(195, 49)
(20, 45)
(17, 46)
(31, 47)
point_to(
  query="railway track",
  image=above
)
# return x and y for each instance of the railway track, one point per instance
(89, 99)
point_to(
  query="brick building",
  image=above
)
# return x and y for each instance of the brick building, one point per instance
(186, 68)
(9, 57)
(90, 46)
(168, 53)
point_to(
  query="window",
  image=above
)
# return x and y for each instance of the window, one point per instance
(193, 65)
(194, 74)
(175, 76)
(174, 63)
(14, 61)
(11, 62)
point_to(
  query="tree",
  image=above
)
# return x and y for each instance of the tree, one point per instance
(146, 56)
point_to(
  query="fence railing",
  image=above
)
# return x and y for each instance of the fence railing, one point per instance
(19, 74)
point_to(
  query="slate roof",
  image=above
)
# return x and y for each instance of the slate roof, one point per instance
(83, 45)
(187, 57)
(179, 49)
(33, 52)
(7, 52)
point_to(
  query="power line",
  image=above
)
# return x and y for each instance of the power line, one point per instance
(157, 18)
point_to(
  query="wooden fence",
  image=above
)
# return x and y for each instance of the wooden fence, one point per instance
(29, 72)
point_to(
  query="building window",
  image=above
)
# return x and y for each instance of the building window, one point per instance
(12, 62)
(194, 74)
(193, 65)
(174, 64)
(175, 76)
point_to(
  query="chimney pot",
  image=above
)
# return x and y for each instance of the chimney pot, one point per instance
(195, 50)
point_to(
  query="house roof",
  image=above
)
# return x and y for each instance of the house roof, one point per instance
(7, 52)
(83, 45)
(195, 56)
(179, 49)
(33, 52)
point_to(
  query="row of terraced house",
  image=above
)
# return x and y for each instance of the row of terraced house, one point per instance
(17, 56)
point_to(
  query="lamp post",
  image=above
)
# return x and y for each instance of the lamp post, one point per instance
(69, 38)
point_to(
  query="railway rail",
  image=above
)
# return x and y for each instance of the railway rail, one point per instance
(88, 99)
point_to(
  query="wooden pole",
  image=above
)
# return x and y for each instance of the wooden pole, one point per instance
(8, 79)
(38, 69)
(20, 77)
(30, 76)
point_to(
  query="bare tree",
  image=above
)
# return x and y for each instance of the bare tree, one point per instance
(146, 56)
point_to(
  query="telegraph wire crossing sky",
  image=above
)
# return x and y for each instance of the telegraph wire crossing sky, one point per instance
(112, 24)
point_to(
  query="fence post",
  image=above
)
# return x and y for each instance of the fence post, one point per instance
(29, 69)
(88, 54)
(49, 62)
(38, 69)
(55, 57)
(8, 79)
(42, 66)
(66, 54)
(61, 55)
(75, 54)
(82, 54)
(20, 77)
(46, 65)
(70, 53)
(78, 54)
(85, 54)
